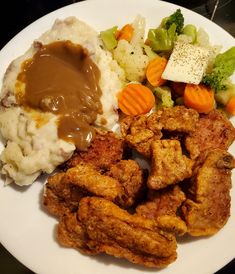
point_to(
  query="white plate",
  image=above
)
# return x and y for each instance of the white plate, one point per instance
(28, 232)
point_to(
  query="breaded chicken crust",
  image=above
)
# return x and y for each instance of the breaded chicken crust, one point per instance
(213, 130)
(100, 226)
(105, 150)
(116, 232)
(122, 185)
(139, 132)
(130, 176)
(162, 202)
(207, 209)
(169, 166)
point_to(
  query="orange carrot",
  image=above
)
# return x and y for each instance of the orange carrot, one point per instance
(178, 88)
(125, 33)
(230, 107)
(199, 97)
(154, 71)
(136, 99)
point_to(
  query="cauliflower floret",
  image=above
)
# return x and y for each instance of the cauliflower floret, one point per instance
(131, 56)
(132, 59)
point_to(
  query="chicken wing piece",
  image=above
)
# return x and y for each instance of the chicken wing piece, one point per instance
(208, 207)
(63, 191)
(130, 176)
(162, 202)
(169, 166)
(179, 118)
(107, 144)
(213, 130)
(115, 232)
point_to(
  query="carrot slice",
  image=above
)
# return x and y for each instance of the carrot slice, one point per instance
(199, 97)
(125, 33)
(135, 99)
(154, 71)
(230, 107)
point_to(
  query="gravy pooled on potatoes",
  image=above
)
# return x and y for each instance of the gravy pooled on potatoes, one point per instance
(61, 78)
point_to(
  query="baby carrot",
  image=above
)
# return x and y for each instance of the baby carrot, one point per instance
(136, 99)
(230, 107)
(154, 71)
(199, 97)
(125, 33)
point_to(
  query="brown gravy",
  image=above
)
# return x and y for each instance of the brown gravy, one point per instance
(61, 78)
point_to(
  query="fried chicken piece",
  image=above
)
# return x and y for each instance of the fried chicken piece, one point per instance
(213, 130)
(105, 150)
(123, 184)
(63, 191)
(162, 202)
(130, 176)
(70, 233)
(137, 135)
(178, 118)
(115, 232)
(169, 165)
(139, 132)
(58, 198)
(208, 207)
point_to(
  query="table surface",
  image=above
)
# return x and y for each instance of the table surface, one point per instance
(30, 10)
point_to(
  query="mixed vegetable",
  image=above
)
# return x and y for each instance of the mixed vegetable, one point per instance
(176, 64)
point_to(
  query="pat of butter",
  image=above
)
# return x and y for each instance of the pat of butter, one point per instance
(187, 64)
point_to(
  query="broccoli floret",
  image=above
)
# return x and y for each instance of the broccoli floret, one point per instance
(176, 18)
(223, 68)
(162, 40)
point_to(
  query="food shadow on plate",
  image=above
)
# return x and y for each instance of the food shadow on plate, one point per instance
(110, 260)
(41, 179)
(15, 187)
(189, 239)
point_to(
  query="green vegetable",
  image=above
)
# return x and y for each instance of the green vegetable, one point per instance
(108, 38)
(223, 68)
(224, 96)
(161, 39)
(164, 95)
(190, 30)
(176, 18)
(149, 52)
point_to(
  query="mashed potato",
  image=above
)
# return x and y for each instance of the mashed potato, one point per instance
(32, 144)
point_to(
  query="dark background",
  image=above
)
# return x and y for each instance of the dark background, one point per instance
(16, 15)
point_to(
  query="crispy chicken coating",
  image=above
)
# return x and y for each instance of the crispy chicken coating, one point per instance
(63, 191)
(130, 176)
(162, 202)
(116, 232)
(123, 184)
(106, 144)
(169, 165)
(208, 207)
(179, 118)
(213, 130)
(139, 132)
(70, 233)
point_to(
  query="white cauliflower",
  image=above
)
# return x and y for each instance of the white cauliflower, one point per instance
(130, 56)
